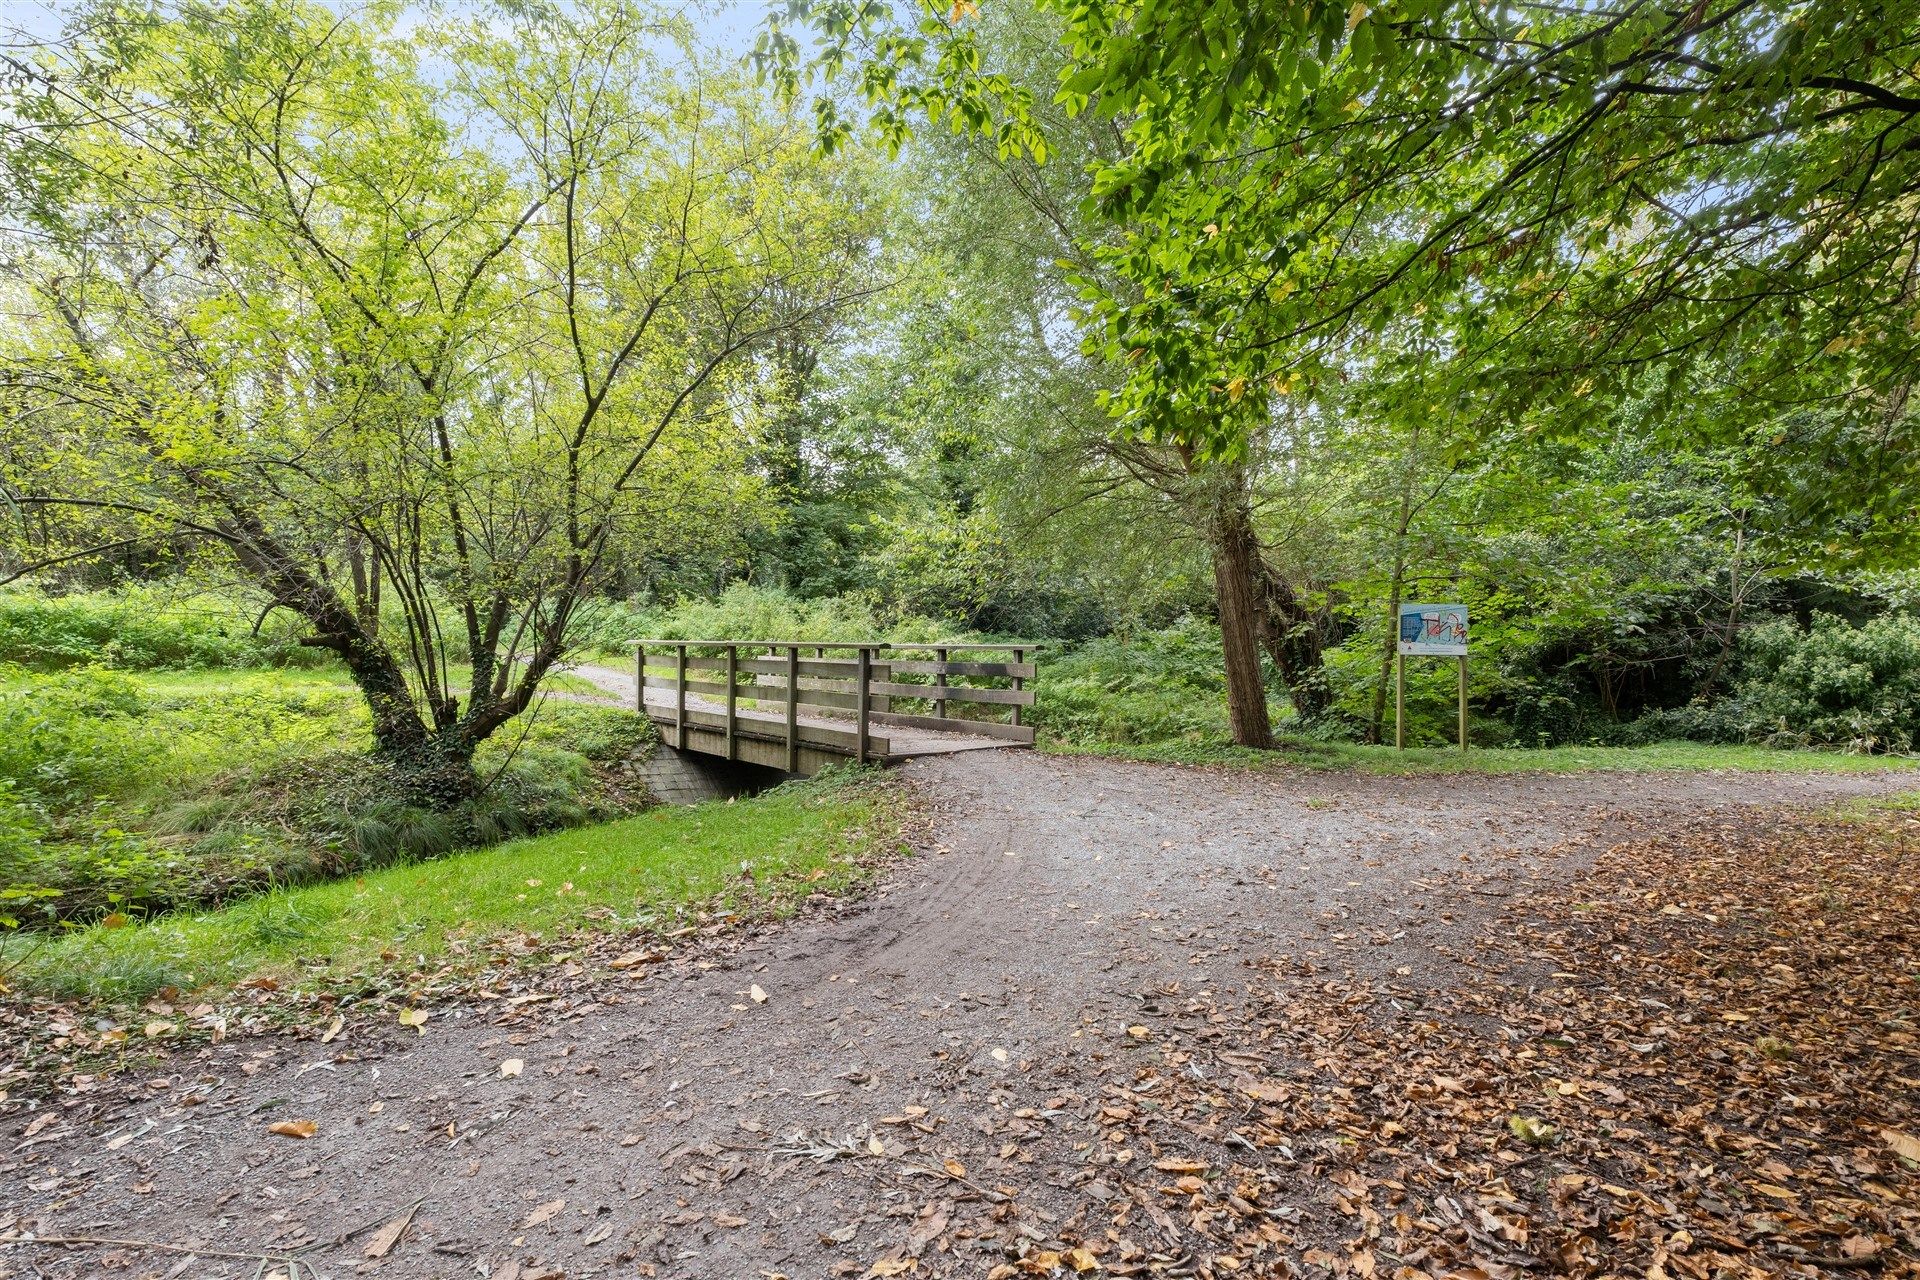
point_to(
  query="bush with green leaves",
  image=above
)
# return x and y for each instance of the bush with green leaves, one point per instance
(139, 629)
(130, 794)
(1833, 684)
(967, 570)
(1157, 686)
(747, 612)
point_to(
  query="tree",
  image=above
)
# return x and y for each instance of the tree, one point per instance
(1711, 198)
(424, 357)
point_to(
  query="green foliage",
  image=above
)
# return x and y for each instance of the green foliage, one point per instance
(136, 629)
(964, 568)
(463, 319)
(648, 873)
(747, 612)
(1834, 684)
(132, 795)
(1157, 687)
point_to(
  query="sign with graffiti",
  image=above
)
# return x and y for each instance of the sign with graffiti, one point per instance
(1439, 629)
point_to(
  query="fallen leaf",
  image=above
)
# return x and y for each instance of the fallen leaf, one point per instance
(545, 1212)
(333, 1030)
(415, 1018)
(302, 1129)
(758, 996)
(386, 1237)
(954, 1167)
(511, 1068)
(1529, 1130)
(1904, 1145)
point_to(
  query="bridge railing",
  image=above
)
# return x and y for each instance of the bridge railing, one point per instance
(762, 686)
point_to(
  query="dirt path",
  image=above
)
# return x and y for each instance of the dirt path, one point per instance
(919, 1093)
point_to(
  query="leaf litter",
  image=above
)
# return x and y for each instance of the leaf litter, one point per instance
(1698, 1061)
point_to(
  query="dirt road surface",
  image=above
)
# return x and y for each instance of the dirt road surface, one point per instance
(918, 1092)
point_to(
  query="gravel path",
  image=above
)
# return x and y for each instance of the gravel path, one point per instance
(918, 1092)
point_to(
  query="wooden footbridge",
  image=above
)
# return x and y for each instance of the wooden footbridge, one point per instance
(798, 706)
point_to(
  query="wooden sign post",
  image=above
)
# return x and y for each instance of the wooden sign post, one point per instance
(1439, 630)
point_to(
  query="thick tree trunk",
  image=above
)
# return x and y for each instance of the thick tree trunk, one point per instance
(1236, 571)
(433, 767)
(1295, 637)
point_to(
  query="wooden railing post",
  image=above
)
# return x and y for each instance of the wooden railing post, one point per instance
(863, 672)
(640, 678)
(793, 708)
(940, 681)
(1019, 655)
(680, 697)
(733, 694)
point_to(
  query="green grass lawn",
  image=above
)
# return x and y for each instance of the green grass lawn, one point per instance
(1666, 756)
(640, 873)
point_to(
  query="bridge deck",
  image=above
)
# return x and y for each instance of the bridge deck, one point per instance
(902, 743)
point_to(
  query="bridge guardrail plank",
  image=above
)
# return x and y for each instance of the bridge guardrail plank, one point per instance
(957, 693)
(978, 728)
(1011, 670)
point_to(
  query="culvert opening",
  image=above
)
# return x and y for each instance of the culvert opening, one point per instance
(689, 777)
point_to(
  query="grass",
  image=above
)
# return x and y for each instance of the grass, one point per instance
(1661, 757)
(643, 873)
(135, 792)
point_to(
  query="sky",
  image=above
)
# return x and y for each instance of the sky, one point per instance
(729, 25)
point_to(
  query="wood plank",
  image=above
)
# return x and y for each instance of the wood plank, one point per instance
(825, 668)
(764, 691)
(712, 687)
(806, 760)
(830, 668)
(768, 729)
(957, 693)
(776, 692)
(1024, 670)
(981, 728)
(967, 648)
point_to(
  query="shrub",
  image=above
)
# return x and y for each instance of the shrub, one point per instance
(137, 630)
(1717, 722)
(1833, 684)
(747, 612)
(67, 737)
(1160, 686)
(119, 798)
(967, 570)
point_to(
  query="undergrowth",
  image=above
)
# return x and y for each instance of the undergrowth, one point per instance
(123, 795)
(646, 874)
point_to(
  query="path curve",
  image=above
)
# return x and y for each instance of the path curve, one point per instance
(962, 1012)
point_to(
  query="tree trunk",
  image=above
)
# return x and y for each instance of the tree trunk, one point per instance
(1295, 638)
(1395, 588)
(1736, 601)
(1236, 570)
(432, 767)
